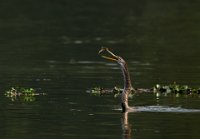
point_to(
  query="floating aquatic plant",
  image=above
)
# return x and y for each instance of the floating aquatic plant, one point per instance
(158, 89)
(25, 94)
(116, 91)
(97, 91)
(176, 89)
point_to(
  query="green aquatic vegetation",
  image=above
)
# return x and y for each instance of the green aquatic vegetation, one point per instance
(24, 94)
(116, 91)
(176, 89)
(98, 91)
(16, 91)
(158, 90)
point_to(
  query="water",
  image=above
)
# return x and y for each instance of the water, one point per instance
(52, 46)
(161, 109)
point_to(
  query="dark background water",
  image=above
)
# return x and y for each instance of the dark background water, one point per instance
(52, 46)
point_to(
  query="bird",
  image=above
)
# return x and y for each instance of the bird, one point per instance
(126, 77)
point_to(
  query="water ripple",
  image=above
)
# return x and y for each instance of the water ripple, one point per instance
(162, 109)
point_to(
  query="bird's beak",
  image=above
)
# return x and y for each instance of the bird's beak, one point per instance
(113, 56)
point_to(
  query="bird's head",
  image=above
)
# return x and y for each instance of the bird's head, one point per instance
(112, 56)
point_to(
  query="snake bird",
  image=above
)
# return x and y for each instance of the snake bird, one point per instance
(126, 77)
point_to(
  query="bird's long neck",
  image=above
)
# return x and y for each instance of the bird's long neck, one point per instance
(127, 87)
(126, 77)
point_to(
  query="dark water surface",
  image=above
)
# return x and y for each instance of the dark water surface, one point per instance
(52, 46)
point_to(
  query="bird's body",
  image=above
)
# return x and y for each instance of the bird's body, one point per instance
(127, 84)
(126, 77)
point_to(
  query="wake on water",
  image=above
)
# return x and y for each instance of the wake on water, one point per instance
(162, 109)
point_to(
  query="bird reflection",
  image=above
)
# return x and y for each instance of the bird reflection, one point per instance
(126, 127)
